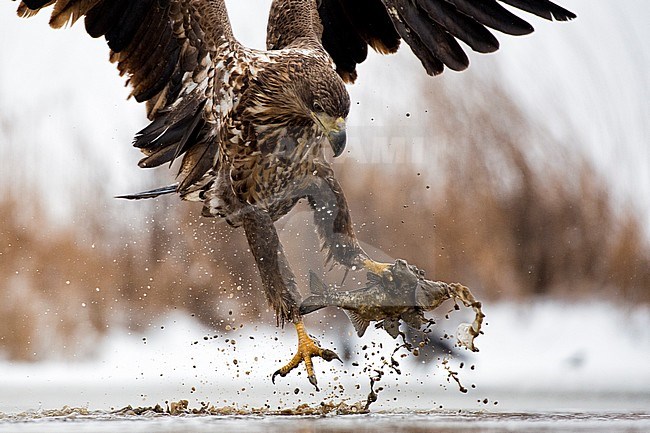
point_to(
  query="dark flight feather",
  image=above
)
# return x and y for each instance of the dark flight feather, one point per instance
(191, 131)
(542, 8)
(159, 77)
(121, 34)
(37, 4)
(491, 14)
(431, 64)
(341, 39)
(102, 17)
(167, 137)
(197, 161)
(429, 27)
(440, 44)
(372, 24)
(460, 25)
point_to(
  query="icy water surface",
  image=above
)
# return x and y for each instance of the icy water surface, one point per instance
(80, 420)
(537, 371)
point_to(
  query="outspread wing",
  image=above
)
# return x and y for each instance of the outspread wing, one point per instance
(432, 28)
(171, 52)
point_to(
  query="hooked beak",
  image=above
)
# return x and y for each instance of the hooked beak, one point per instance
(335, 130)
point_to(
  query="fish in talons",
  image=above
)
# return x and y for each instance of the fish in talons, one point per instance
(401, 295)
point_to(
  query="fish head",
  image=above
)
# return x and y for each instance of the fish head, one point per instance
(430, 294)
(404, 275)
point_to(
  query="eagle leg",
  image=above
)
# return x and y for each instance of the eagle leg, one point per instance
(280, 287)
(334, 224)
(307, 348)
(277, 277)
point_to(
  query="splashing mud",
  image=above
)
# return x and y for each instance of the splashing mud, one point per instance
(323, 418)
(466, 333)
(453, 375)
(182, 408)
(427, 296)
(399, 294)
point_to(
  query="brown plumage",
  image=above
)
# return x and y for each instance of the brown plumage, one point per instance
(250, 125)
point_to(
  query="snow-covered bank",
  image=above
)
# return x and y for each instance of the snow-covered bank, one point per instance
(548, 354)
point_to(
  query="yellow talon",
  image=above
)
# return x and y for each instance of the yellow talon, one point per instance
(377, 267)
(307, 349)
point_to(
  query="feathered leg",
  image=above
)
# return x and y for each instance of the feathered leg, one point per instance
(280, 286)
(334, 224)
(277, 277)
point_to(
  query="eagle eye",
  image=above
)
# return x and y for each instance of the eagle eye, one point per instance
(317, 107)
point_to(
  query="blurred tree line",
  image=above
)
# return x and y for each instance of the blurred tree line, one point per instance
(500, 205)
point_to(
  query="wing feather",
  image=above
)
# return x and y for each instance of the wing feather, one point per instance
(26, 11)
(169, 50)
(120, 35)
(430, 27)
(440, 44)
(372, 24)
(431, 63)
(341, 38)
(67, 12)
(101, 17)
(542, 8)
(37, 4)
(461, 26)
(491, 14)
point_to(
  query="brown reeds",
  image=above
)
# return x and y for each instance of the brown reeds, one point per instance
(507, 209)
(504, 207)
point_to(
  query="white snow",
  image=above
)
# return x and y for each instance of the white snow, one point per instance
(545, 355)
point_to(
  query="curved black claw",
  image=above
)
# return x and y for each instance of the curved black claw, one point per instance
(329, 355)
(277, 372)
(326, 354)
(313, 381)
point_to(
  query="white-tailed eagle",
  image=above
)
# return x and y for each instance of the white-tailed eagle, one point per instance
(250, 126)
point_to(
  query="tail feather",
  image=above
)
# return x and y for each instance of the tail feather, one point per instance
(152, 193)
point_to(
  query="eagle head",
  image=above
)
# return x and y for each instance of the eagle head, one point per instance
(307, 93)
(327, 103)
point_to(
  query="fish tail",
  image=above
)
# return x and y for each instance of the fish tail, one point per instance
(320, 295)
(312, 303)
